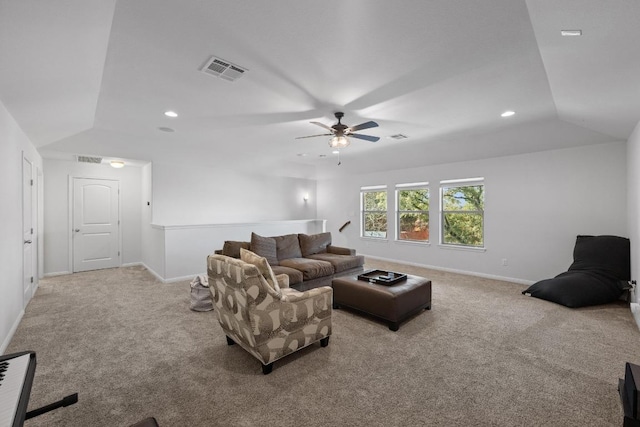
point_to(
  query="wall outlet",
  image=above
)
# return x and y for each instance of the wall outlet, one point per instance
(504, 262)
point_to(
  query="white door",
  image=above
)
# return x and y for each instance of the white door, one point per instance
(96, 223)
(27, 231)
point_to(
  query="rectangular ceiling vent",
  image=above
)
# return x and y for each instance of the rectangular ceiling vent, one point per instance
(398, 136)
(223, 69)
(87, 159)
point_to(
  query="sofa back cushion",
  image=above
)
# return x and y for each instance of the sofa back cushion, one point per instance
(265, 247)
(287, 246)
(314, 243)
(232, 248)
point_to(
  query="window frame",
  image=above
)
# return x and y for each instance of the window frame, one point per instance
(363, 212)
(398, 212)
(458, 183)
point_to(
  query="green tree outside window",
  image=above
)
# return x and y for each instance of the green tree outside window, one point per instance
(374, 214)
(463, 215)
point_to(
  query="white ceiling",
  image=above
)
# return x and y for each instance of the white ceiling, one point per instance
(94, 77)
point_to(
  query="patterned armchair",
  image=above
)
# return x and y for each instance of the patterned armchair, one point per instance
(259, 311)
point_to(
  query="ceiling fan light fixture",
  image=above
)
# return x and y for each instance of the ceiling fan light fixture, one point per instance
(339, 142)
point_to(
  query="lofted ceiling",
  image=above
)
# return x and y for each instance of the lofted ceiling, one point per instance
(94, 77)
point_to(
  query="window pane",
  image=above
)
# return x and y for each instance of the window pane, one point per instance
(469, 198)
(413, 200)
(463, 229)
(414, 226)
(375, 225)
(375, 200)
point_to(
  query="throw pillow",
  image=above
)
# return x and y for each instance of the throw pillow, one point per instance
(266, 247)
(232, 248)
(314, 243)
(263, 267)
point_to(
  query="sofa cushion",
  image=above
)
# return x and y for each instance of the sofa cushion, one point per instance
(232, 248)
(310, 268)
(263, 267)
(287, 246)
(341, 262)
(295, 276)
(314, 243)
(265, 247)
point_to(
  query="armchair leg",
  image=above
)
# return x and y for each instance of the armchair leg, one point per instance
(230, 341)
(266, 369)
(324, 342)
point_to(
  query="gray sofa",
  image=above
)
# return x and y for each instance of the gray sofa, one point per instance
(310, 261)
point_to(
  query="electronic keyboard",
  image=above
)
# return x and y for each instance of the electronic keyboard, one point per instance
(16, 377)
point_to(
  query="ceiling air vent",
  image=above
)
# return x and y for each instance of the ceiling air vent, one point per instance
(223, 69)
(87, 159)
(398, 136)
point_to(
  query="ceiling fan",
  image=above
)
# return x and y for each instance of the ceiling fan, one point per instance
(340, 132)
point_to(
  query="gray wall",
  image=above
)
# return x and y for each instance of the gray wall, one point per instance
(535, 206)
(13, 143)
(191, 194)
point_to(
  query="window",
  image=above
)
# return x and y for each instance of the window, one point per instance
(462, 212)
(412, 214)
(373, 202)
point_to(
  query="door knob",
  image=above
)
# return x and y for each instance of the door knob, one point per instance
(27, 241)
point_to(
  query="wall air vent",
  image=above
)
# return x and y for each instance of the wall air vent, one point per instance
(398, 136)
(223, 69)
(87, 159)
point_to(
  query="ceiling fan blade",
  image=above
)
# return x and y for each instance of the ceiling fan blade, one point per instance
(323, 125)
(365, 125)
(313, 136)
(365, 137)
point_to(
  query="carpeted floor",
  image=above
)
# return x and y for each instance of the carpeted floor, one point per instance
(483, 356)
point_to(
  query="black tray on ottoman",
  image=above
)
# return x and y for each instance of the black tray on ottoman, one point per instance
(382, 277)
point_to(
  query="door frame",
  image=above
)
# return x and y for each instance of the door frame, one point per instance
(35, 241)
(71, 193)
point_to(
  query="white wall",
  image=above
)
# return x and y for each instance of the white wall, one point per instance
(633, 201)
(56, 210)
(535, 205)
(13, 142)
(187, 195)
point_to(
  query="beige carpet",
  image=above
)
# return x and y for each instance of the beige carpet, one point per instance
(483, 356)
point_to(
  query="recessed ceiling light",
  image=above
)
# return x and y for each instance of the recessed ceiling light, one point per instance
(507, 114)
(571, 33)
(117, 164)
(163, 129)
(171, 114)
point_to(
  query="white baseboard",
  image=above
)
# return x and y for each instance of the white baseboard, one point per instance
(171, 280)
(12, 331)
(635, 310)
(454, 270)
(57, 273)
(133, 264)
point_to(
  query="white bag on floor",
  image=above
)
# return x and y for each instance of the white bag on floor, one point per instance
(200, 294)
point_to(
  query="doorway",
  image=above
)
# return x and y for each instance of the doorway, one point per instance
(96, 224)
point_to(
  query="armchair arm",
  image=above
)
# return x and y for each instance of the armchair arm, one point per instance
(283, 280)
(340, 251)
(311, 293)
(218, 252)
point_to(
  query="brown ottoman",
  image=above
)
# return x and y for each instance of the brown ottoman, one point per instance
(393, 303)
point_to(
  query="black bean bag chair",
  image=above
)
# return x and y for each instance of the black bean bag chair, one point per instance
(600, 273)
